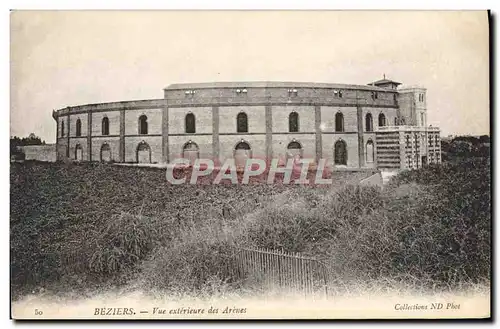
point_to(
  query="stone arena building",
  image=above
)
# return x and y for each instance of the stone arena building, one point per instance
(378, 125)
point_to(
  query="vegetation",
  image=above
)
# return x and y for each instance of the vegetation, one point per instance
(16, 142)
(81, 227)
(462, 147)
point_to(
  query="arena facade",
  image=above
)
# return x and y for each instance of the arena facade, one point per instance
(351, 126)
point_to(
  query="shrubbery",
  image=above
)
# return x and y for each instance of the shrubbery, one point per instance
(430, 228)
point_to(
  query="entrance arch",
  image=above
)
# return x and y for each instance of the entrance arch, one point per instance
(191, 151)
(143, 153)
(369, 152)
(78, 152)
(242, 152)
(105, 153)
(294, 150)
(340, 153)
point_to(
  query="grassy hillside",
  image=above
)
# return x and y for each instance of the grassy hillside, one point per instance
(83, 227)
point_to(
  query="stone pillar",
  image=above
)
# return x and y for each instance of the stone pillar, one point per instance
(269, 134)
(361, 142)
(164, 135)
(122, 136)
(89, 135)
(319, 144)
(215, 134)
(68, 133)
(57, 139)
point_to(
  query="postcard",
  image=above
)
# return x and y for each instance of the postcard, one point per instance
(250, 165)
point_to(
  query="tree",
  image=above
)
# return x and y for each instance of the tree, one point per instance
(484, 139)
(16, 143)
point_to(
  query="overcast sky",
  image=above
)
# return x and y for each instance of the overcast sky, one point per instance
(61, 59)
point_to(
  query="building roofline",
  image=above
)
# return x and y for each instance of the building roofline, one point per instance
(385, 81)
(411, 87)
(122, 103)
(270, 84)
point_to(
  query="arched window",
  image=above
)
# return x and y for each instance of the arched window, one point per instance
(294, 149)
(143, 125)
(242, 123)
(190, 123)
(105, 126)
(340, 153)
(339, 122)
(62, 128)
(369, 151)
(369, 122)
(293, 122)
(242, 152)
(105, 153)
(78, 128)
(143, 153)
(190, 151)
(78, 152)
(381, 120)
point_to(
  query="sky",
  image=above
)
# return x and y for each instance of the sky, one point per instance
(68, 58)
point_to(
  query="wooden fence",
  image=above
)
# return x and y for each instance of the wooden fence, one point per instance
(284, 271)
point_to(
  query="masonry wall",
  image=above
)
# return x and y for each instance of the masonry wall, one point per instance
(45, 153)
(216, 111)
(177, 144)
(351, 140)
(132, 143)
(114, 145)
(114, 123)
(177, 120)
(228, 143)
(154, 117)
(280, 116)
(82, 142)
(256, 119)
(73, 121)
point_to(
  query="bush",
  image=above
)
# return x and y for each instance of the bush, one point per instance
(89, 223)
(189, 265)
(123, 242)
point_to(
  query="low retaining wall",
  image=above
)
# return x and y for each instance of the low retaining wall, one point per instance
(45, 152)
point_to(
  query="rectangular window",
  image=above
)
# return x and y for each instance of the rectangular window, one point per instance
(292, 92)
(190, 93)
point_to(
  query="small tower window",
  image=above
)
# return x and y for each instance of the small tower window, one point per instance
(381, 120)
(242, 123)
(369, 122)
(78, 132)
(143, 125)
(293, 122)
(190, 123)
(339, 122)
(105, 126)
